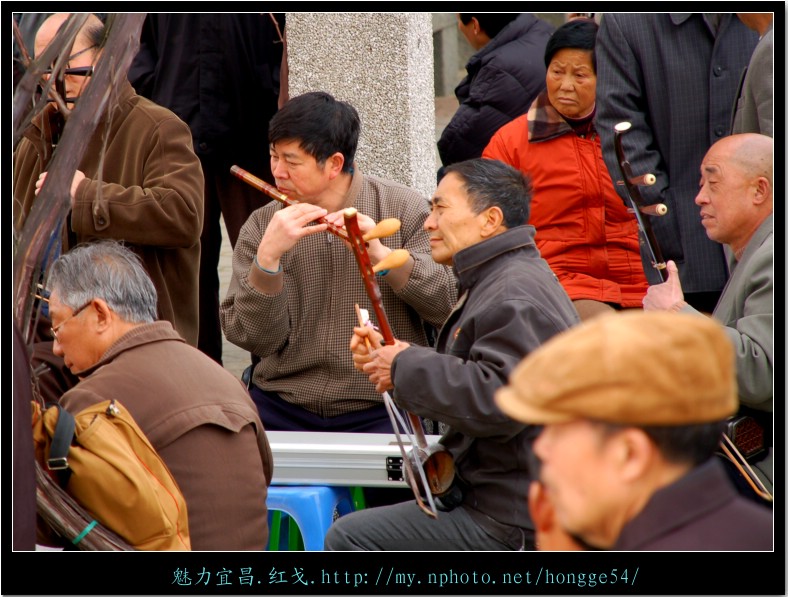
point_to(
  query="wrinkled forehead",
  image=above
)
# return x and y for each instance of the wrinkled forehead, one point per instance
(717, 161)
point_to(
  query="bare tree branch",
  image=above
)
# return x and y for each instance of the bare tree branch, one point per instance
(53, 203)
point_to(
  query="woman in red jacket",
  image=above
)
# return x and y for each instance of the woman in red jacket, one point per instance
(583, 228)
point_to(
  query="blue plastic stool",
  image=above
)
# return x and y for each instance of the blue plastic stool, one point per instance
(311, 507)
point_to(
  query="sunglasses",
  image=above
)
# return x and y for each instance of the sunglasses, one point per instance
(80, 70)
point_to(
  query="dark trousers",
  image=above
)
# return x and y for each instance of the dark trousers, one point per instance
(279, 415)
(229, 197)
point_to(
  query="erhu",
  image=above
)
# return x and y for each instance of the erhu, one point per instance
(431, 467)
(648, 241)
(743, 435)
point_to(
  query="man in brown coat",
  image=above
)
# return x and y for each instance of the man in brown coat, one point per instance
(195, 413)
(139, 181)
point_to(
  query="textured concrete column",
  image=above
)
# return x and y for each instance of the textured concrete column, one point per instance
(382, 64)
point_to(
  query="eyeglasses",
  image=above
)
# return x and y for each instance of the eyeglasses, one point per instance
(77, 71)
(72, 316)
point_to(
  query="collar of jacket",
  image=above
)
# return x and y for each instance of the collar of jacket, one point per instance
(469, 262)
(119, 95)
(763, 231)
(545, 122)
(677, 18)
(703, 489)
(145, 333)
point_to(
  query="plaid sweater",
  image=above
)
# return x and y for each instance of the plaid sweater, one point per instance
(303, 333)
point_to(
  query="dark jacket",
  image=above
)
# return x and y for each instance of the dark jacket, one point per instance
(646, 63)
(144, 186)
(510, 303)
(702, 511)
(503, 79)
(202, 422)
(219, 72)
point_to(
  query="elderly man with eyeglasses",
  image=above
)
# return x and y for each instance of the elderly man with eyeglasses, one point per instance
(196, 414)
(139, 181)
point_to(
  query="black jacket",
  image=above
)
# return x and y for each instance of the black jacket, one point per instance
(702, 511)
(504, 78)
(220, 74)
(510, 304)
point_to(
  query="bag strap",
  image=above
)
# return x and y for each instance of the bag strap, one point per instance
(61, 443)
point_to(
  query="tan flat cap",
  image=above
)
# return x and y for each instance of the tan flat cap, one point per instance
(635, 368)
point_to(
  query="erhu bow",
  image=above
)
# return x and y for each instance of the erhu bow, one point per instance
(648, 241)
(431, 467)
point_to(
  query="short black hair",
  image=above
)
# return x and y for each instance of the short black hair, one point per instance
(694, 444)
(691, 444)
(492, 183)
(577, 34)
(321, 125)
(490, 22)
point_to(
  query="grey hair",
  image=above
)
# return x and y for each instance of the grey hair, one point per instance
(492, 183)
(107, 270)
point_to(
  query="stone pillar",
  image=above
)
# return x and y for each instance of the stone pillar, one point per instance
(382, 64)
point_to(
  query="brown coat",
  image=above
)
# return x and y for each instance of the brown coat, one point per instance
(149, 195)
(203, 424)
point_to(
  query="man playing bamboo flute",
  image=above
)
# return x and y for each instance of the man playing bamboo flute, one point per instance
(295, 283)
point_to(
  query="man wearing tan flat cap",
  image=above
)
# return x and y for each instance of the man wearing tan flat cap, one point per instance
(634, 406)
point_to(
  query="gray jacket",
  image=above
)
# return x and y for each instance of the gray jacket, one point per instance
(746, 309)
(675, 81)
(754, 108)
(510, 303)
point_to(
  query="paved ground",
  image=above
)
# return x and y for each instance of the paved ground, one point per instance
(236, 359)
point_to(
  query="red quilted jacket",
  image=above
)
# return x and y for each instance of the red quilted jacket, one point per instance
(583, 228)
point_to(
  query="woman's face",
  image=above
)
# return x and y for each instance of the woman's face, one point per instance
(571, 82)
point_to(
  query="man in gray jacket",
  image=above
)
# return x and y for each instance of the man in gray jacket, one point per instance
(736, 209)
(510, 303)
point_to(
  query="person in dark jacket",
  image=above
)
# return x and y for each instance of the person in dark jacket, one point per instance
(634, 406)
(504, 76)
(510, 303)
(646, 63)
(221, 74)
